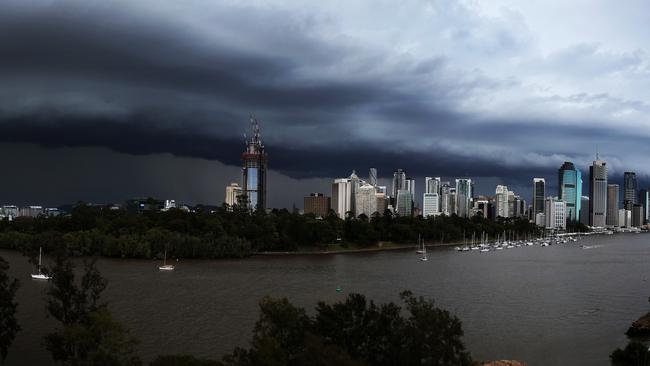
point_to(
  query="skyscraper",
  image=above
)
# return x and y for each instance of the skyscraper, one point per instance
(372, 176)
(366, 200)
(342, 197)
(637, 215)
(644, 200)
(629, 190)
(254, 170)
(612, 205)
(598, 193)
(539, 194)
(501, 201)
(584, 213)
(404, 203)
(356, 182)
(463, 196)
(399, 182)
(432, 185)
(570, 189)
(445, 199)
(431, 204)
(555, 213)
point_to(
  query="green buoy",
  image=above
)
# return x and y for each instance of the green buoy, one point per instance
(339, 289)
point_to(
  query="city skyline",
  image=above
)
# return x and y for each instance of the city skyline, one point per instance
(486, 90)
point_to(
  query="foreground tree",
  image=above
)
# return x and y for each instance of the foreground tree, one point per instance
(8, 323)
(354, 332)
(634, 354)
(89, 335)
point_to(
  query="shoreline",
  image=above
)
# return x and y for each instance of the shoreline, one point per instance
(355, 250)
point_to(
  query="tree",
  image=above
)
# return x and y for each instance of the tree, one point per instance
(354, 332)
(89, 335)
(183, 360)
(8, 323)
(634, 354)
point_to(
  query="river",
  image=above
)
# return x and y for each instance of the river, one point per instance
(542, 305)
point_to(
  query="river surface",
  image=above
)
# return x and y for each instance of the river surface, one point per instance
(556, 305)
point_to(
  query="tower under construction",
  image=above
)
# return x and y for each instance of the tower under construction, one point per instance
(254, 160)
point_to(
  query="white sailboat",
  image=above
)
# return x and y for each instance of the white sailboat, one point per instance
(424, 257)
(40, 275)
(165, 266)
(421, 248)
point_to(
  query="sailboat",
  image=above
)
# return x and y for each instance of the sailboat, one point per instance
(165, 266)
(421, 248)
(424, 257)
(40, 275)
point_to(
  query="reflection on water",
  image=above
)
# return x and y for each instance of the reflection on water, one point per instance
(544, 305)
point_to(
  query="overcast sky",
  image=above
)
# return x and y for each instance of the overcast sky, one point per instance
(156, 94)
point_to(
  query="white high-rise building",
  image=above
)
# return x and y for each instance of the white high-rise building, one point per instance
(233, 191)
(342, 194)
(432, 185)
(446, 204)
(501, 201)
(624, 218)
(431, 204)
(366, 200)
(555, 213)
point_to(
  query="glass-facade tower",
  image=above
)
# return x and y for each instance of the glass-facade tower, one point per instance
(570, 189)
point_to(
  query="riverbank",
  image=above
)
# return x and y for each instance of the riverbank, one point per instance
(350, 249)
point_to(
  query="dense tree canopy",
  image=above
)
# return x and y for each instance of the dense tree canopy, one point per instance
(8, 324)
(231, 233)
(88, 334)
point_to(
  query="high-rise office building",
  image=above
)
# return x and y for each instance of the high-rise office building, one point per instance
(629, 190)
(570, 189)
(431, 204)
(410, 186)
(555, 213)
(317, 204)
(445, 199)
(501, 201)
(372, 176)
(432, 185)
(637, 215)
(598, 193)
(356, 183)
(612, 205)
(452, 201)
(644, 200)
(342, 194)
(463, 196)
(539, 194)
(404, 203)
(233, 192)
(584, 213)
(399, 182)
(382, 202)
(366, 200)
(254, 170)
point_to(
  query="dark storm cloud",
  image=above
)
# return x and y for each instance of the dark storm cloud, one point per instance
(142, 79)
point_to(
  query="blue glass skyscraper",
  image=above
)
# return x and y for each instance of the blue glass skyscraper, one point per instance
(570, 189)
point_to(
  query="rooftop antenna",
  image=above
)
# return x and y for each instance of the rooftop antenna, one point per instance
(597, 157)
